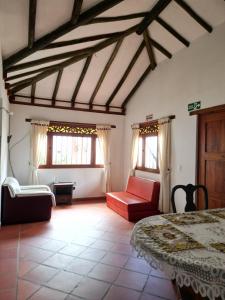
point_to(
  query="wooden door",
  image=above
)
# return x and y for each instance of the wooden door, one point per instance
(211, 157)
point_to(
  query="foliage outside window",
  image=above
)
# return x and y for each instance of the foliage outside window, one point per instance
(69, 146)
(148, 149)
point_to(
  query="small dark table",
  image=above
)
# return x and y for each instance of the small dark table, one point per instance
(63, 192)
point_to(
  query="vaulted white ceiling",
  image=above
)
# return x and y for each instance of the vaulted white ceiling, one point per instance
(50, 14)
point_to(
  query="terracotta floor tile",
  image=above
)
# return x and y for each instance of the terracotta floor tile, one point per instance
(93, 254)
(7, 280)
(91, 289)
(26, 289)
(104, 272)
(8, 253)
(8, 294)
(122, 248)
(73, 250)
(8, 265)
(103, 245)
(48, 294)
(131, 280)
(53, 245)
(84, 240)
(94, 233)
(117, 292)
(64, 281)
(138, 265)
(150, 297)
(115, 259)
(158, 273)
(41, 274)
(160, 287)
(34, 254)
(58, 260)
(71, 297)
(35, 241)
(25, 266)
(81, 266)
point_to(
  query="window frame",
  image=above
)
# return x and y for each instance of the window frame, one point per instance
(143, 168)
(50, 165)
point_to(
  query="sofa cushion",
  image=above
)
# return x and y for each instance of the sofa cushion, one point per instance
(144, 188)
(129, 202)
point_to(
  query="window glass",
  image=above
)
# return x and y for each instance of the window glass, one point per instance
(151, 152)
(140, 152)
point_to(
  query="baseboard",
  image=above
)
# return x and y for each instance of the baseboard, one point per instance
(100, 199)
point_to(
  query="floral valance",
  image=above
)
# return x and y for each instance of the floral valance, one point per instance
(71, 129)
(148, 129)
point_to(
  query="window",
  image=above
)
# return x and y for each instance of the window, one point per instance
(148, 150)
(72, 148)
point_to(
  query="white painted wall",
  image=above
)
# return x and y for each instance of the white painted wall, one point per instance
(193, 74)
(89, 181)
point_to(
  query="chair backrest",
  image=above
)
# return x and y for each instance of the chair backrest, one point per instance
(13, 186)
(189, 190)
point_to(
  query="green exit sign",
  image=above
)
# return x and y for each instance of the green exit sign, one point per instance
(194, 105)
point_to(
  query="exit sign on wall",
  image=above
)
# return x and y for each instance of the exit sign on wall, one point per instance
(194, 106)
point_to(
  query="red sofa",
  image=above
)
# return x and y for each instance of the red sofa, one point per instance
(140, 200)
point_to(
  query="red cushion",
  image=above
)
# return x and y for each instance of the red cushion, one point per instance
(143, 188)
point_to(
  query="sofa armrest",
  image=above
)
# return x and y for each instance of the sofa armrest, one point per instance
(35, 187)
(36, 193)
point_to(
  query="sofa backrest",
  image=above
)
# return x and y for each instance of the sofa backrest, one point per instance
(144, 188)
(13, 186)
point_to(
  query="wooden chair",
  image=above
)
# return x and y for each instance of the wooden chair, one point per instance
(189, 190)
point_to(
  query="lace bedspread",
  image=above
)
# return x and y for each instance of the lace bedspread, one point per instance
(188, 247)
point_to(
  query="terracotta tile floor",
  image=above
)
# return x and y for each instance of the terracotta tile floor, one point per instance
(82, 253)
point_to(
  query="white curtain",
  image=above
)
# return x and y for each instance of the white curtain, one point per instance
(164, 140)
(134, 149)
(104, 136)
(39, 131)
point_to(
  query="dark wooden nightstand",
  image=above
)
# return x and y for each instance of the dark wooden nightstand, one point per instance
(63, 192)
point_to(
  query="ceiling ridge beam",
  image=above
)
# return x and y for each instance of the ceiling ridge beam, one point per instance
(76, 11)
(126, 73)
(105, 70)
(80, 80)
(194, 15)
(72, 60)
(84, 18)
(136, 86)
(56, 88)
(149, 48)
(32, 20)
(152, 14)
(171, 30)
(83, 40)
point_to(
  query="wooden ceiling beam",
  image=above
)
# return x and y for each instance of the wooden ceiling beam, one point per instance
(194, 15)
(137, 85)
(126, 73)
(13, 77)
(83, 40)
(79, 53)
(149, 48)
(105, 71)
(163, 50)
(56, 88)
(76, 11)
(72, 60)
(171, 30)
(80, 80)
(117, 18)
(84, 18)
(152, 14)
(32, 20)
(33, 88)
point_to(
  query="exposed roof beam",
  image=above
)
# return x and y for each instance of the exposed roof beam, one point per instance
(173, 31)
(160, 48)
(76, 11)
(105, 71)
(33, 88)
(149, 48)
(134, 89)
(117, 18)
(13, 77)
(32, 19)
(126, 73)
(73, 60)
(152, 14)
(80, 80)
(81, 52)
(84, 18)
(56, 88)
(83, 40)
(194, 15)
